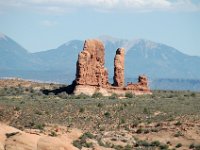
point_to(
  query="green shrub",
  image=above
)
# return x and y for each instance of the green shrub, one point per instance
(146, 131)
(88, 145)
(135, 124)
(99, 105)
(154, 130)
(113, 139)
(122, 121)
(178, 123)
(191, 146)
(178, 145)
(197, 147)
(50, 94)
(125, 104)
(143, 143)
(128, 147)
(139, 131)
(77, 143)
(113, 96)
(164, 146)
(81, 96)
(38, 112)
(168, 143)
(107, 114)
(102, 129)
(100, 143)
(117, 147)
(155, 143)
(177, 134)
(63, 95)
(81, 110)
(81, 142)
(53, 133)
(40, 126)
(97, 95)
(121, 108)
(88, 135)
(17, 108)
(146, 111)
(124, 140)
(193, 94)
(129, 95)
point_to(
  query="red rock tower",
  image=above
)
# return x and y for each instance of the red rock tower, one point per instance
(119, 68)
(92, 76)
(90, 65)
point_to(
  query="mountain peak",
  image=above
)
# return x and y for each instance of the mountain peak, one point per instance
(144, 56)
(148, 44)
(3, 36)
(108, 38)
(127, 44)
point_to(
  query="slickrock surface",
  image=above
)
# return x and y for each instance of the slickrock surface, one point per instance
(14, 139)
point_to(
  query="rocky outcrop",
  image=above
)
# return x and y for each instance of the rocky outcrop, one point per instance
(119, 68)
(14, 139)
(142, 80)
(90, 65)
(141, 86)
(92, 76)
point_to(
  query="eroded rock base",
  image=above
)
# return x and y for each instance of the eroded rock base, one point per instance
(90, 90)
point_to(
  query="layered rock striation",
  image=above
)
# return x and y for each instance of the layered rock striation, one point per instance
(92, 76)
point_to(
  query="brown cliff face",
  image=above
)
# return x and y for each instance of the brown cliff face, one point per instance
(119, 68)
(90, 65)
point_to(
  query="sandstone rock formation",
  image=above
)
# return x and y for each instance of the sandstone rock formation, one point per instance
(92, 76)
(14, 139)
(119, 68)
(90, 65)
(141, 86)
(143, 80)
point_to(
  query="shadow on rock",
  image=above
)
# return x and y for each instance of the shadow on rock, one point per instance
(68, 89)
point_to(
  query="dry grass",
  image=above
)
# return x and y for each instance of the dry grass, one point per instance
(170, 117)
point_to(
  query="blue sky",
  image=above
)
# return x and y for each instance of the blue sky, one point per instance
(45, 24)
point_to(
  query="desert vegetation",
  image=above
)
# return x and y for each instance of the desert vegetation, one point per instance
(163, 120)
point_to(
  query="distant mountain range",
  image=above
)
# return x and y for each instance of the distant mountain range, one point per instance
(158, 61)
